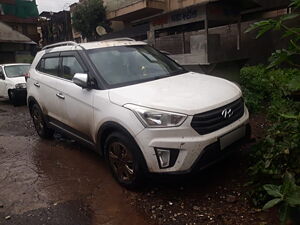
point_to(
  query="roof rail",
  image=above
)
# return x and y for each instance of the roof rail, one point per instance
(120, 39)
(66, 43)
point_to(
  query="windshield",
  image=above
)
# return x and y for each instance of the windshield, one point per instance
(16, 70)
(125, 65)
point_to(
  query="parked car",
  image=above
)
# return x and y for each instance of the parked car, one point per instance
(135, 106)
(12, 82)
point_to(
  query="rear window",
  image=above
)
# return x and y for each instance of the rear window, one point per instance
(16, 70)
(49, 66)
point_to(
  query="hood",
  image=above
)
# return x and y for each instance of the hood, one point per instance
(17, 80)
(190, 93)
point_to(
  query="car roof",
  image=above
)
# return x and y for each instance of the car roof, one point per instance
(15, 64)
(109, 43)
(67, 46)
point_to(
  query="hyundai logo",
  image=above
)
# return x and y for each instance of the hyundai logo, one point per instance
(227, 113)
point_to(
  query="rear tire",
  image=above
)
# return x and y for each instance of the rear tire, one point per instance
(39, 122)
(124, 159)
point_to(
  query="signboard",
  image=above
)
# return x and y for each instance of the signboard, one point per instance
(185, 14)
(179, 17)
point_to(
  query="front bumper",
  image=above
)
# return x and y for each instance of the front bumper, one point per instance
(194, 149)
(20, 93)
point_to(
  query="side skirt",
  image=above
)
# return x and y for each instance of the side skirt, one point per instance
(71, 133)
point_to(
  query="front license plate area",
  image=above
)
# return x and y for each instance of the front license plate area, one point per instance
(232, 137)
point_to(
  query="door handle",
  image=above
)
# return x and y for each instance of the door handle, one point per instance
(37, 84)
(60, 95)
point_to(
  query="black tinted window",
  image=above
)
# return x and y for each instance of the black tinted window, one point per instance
(50, 66)
(70, 66)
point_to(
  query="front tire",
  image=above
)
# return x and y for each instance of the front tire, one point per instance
(39, 122)
(12, 98)
(123, 157)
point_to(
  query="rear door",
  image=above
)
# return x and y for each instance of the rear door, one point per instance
(76, 102)
(45, 85)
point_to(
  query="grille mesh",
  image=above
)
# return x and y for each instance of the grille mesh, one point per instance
(205, 123)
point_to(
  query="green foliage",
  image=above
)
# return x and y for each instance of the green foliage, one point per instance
(269, 92)
(88, 16)
(286, 195)
(290, 55)
(263, 87)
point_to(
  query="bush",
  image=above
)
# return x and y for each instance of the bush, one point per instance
(262, 86)
(275, 170)
(278, 154)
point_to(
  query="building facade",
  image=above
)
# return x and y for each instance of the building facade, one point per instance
(199, 32)
(55, 27)
(21, 15)
(14, 46)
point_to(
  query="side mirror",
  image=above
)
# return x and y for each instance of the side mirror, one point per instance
(81, 79)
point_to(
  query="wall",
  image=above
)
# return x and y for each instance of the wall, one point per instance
(179, 4)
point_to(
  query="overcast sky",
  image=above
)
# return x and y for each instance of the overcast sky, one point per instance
(54, 5)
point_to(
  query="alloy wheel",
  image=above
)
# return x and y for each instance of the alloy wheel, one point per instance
(121, 161)
(37, 120)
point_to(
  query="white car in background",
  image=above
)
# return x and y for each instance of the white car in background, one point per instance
(136, 106)
(12, 82)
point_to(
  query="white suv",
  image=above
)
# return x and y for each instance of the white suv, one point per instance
(135, 106)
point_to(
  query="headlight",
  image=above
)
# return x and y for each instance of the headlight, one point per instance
(156, 118)
(23, 85)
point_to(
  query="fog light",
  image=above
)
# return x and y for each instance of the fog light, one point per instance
(166, 157)
(163, 157)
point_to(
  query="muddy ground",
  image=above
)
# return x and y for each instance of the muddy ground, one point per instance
(59, 182)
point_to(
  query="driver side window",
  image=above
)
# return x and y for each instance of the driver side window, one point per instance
(70, 66)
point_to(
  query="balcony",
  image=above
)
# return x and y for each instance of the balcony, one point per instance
(128, 10)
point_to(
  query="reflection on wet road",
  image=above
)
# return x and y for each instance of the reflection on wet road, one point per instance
(58, 182)
(38, 176)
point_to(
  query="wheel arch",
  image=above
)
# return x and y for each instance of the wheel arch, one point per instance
(30, 102)
(8, 90)
(108, 128)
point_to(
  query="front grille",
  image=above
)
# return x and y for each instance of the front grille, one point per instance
(205, 123)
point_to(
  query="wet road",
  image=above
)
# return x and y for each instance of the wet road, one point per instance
(55, 182)
(59, 182)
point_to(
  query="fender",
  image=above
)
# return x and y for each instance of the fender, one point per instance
(30, 101)
(106, 129)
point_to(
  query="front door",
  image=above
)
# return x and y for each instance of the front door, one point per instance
(76, 102)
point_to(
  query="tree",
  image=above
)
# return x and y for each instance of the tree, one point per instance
(291, 54)
(89, 15)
